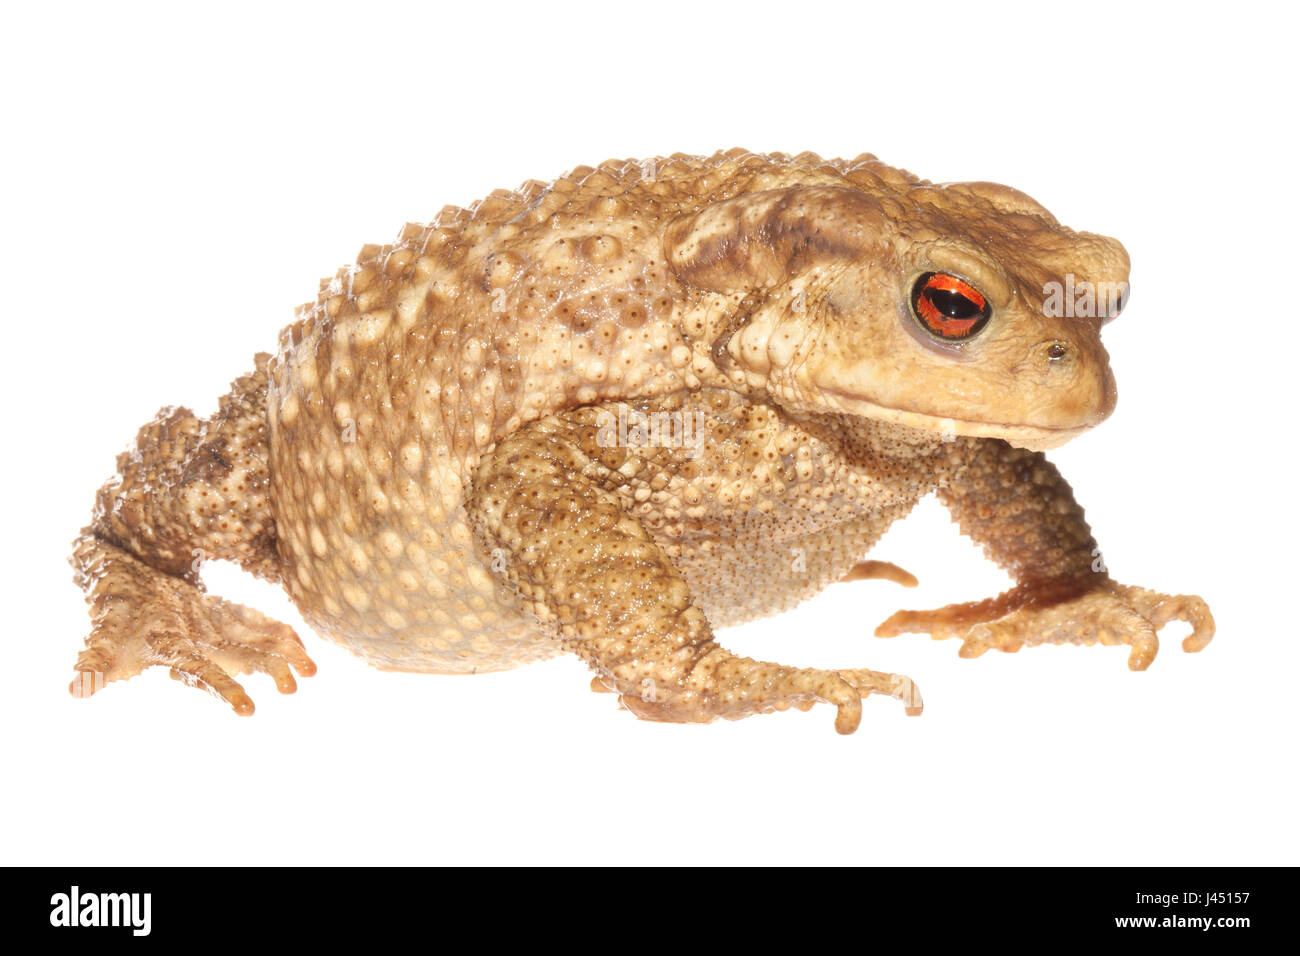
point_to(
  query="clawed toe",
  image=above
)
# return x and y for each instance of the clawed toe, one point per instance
(1160, 609)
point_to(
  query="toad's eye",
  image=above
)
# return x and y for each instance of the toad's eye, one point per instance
(949, 308)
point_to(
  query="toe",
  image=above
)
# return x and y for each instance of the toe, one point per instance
(195, 671)
(848, 715)
(867, 570)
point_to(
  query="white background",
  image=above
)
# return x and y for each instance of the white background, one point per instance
(176, 181)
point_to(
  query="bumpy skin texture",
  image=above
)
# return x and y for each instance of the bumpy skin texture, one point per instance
(445, 464)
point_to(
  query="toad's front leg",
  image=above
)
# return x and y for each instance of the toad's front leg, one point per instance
(1017, 505)
(553, 509)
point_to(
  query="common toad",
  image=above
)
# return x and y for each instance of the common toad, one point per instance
(610, 414)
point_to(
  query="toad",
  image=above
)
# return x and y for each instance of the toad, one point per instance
(610, 414)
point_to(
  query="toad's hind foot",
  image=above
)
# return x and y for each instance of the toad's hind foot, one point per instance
(142, 617)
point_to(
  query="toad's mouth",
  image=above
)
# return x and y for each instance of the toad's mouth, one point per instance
(1029, 437)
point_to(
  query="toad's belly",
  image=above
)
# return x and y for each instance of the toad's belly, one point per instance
(442, 644)
(377, 551)
(424, 601)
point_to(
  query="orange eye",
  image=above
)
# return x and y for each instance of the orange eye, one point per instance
(949, 308)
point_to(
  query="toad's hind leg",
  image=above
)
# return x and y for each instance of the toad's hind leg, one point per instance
(549, 498)
(189, 490)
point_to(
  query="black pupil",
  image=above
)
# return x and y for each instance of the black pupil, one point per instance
(953, 304)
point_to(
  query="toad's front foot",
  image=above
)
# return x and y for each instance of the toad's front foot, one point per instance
(729, 687)
(1105, 612)
(142, 618)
